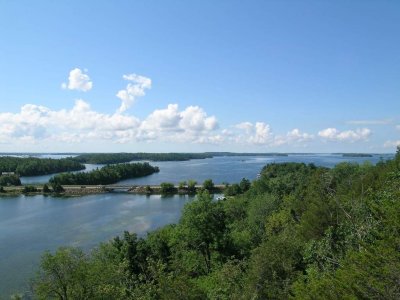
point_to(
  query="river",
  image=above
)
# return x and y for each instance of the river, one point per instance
(30, 225)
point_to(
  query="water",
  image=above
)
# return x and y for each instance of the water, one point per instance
(221, 169)
(232, 169)
(31, 225)
(45, 178)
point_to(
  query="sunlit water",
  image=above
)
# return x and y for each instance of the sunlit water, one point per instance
(31, 225)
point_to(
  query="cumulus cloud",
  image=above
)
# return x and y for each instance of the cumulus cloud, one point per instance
(391, 144)
(333, 134)
(78, 80)
(135, 88)
(82, 123)
(191, 124)
(292, 137)
(261, 134)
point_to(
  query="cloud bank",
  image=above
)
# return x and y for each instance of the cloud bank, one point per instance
(171, 124)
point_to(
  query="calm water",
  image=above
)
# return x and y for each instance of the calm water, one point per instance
(31, 225)
(221, 169)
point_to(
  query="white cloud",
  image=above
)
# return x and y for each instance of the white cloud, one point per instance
(261, 134)
(81, 123)
(78, 80)
(135, 88)
(333, 134)
(292, 137)
(370, 122)
(246, 126)
(191, 124)
(391, 144)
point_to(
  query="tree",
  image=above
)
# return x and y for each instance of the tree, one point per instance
(63, 275)
(182, 185)
(192, 186)
(244, 185)
(46, 188)
(57, 188)
(167, 188)
(29, 189)
(208, 185)
(202, 227)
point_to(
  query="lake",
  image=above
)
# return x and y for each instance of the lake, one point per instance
(31, 225)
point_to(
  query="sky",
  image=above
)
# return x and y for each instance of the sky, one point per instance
(194, 76)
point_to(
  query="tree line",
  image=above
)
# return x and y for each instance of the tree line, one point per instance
(33, 166)
(106, 175)
(298, 232)
(114, 158)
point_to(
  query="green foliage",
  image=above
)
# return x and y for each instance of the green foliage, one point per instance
(57, 188)
(148, 189)
(191, 186)
(182, 185)
(167, 188)
(115, 158)
(29, 189)
(202, 228)
(2, 190)
(46, 189)
(244, 185)
(236, 189)
(208, 185)
(298, 232)
(7, 180)
(33, 166)
(106, 175)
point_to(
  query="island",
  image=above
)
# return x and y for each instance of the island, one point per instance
(33, 166)
(106, 175)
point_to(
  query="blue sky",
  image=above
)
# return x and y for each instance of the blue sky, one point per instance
(259, 76)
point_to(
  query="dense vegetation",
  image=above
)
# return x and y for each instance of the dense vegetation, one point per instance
(356, 155)
(114, 158)
(245, 154)
(33, 166)
(106, 175)
(299, 232)
(6, 180)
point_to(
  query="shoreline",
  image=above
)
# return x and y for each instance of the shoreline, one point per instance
(73, 190)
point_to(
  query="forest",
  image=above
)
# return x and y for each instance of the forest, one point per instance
(298, 232)
(32, 166)
(114, 158)
(106, 175)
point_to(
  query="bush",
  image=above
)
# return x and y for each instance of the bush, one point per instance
(191, 186)
(167, 188)
(57, 188)
(208, 185)
(29, 189)
(46, 189)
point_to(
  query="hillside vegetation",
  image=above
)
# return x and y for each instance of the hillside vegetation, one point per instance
(299, 232)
